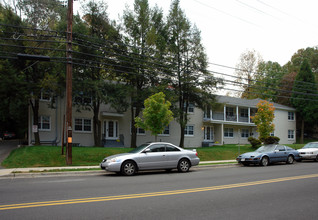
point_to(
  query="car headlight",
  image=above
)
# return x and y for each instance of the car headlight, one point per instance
(115, 159)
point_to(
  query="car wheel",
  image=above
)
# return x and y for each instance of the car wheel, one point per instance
(264, 161)
(290, 159)
(316, 158)
(129, 168)
(184, 165)
(246, 164)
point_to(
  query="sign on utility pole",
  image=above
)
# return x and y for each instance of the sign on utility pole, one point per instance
(69, 69)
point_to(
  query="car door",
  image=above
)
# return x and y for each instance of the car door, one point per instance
(173, 155)
(280, 153)
(153, 157)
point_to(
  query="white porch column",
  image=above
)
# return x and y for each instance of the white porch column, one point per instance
(237, 113)
(249, 115)
(224, 115)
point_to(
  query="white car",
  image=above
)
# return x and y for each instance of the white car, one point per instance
(309, 151)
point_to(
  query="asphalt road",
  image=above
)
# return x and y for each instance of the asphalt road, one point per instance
(273, 192)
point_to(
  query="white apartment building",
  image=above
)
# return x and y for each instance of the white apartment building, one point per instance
(227, 123)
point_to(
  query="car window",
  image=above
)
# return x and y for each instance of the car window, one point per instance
(157, 148)
(311, 145)
(280, 148)
(171, 148)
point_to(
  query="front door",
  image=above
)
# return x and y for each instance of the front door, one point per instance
(111, 129)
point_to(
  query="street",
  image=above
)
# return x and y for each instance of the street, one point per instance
(274, 192)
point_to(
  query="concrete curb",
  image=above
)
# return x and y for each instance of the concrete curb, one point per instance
(45, 171)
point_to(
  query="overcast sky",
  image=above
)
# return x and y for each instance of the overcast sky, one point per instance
(274, 28)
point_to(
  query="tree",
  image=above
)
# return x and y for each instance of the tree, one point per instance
(191, 82)
(245, 69)
(304, 97)
(264, 119)
(156, 115)
(144, 30)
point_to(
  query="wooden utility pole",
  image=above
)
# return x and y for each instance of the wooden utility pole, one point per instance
(69, 70)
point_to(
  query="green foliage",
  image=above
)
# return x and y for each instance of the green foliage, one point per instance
(271, 140)
(264, 118)
(254, 142)
(303, 86)
(156, 115)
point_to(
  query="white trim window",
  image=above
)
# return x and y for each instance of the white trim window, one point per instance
(291, 135)
(44, 123)
(166, 131)
(190, 108)
(189, 130)
(228, 132)
(45, 96)
(83, 125)
(245, 133)
(291, 116)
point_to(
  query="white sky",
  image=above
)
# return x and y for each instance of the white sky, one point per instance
(274, 28)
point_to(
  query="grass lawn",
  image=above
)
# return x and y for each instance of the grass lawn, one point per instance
(50, 156)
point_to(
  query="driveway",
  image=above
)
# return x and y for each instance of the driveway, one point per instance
(6, 147)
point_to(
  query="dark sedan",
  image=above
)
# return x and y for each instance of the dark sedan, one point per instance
(268, 154)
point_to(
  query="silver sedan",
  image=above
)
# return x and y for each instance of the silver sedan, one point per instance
(151, 156)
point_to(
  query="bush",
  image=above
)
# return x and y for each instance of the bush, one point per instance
(254, 142)
(271, 140)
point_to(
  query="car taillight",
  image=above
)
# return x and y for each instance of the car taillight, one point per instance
(196, 153)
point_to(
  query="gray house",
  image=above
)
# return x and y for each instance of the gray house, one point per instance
(228, 123)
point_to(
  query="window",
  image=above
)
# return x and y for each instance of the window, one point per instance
(291, 134)
(272, 134)
(44, 123)
(141, 131)
(229, 111)
(171, 148)
(244, 112)
(190, 107)
(157, 148)
(189, 130)
(83, 99)
(208, 133)
(228, 132)
(291, 116)
(244, 133)
(82, 124)
(166, 131)
(45, 96)
(280, 148)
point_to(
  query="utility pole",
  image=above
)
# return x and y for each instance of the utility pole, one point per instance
(69, 70)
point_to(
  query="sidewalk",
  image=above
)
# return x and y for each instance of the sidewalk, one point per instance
(13, 171)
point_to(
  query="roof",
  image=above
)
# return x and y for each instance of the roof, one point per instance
(248, 102)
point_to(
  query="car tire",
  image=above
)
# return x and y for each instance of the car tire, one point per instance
(316, 158)
(245, 164)
(129, 168)
(264, 161)
(290, 159)
(184, 165)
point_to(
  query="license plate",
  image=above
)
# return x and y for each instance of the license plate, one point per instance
(243, 159)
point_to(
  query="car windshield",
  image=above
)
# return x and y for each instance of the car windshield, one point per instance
(139, 149)
(266, 148)
(311, 145)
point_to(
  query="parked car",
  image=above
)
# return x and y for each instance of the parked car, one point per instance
(309, 152)
(151, 156)
(268, 154)
(8, 135)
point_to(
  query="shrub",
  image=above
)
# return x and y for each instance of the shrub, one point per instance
(271, 140)
(254, 142)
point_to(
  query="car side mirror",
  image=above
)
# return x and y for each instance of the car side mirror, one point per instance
(147, 150)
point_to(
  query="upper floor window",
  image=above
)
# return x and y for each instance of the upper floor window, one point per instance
(291, 116)
(190, 107)
(44, 123)
(229, 111)
(82, 124)
(82, 99)
(45, 96)
(244, 112)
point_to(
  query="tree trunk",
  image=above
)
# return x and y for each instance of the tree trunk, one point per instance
(97, 127)
(133, 141)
